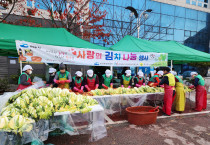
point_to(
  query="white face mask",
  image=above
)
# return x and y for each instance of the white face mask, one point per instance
(127, 75)
(30, 72)
(90, 75)
(108, 76)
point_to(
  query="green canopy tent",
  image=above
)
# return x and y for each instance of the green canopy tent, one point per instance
(177, 52)
(49, 36)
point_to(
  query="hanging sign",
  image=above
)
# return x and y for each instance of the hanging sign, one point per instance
(33, 52)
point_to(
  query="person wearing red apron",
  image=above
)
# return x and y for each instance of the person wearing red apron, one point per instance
(201, 94)
(77, 82)
(107, 79)
(139, 79)
(169, 88)
(91, 81)
(24, 80)
(154, 81)
(63, 77)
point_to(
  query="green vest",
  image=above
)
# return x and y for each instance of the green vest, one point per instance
(60, 75)
(107, 81)
(180, 80)
(201, 81)
(21, 75)
(78, 81)
(152, 79)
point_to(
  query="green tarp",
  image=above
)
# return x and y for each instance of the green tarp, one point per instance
(176, 51)
(49, 36)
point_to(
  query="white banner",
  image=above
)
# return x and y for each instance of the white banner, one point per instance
(92, 57)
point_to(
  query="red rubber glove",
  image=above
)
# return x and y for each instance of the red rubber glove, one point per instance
(191, 86)
(56, 81)
(105, 86)
(88, 89)
(80, 91)
(67, 81)
(62, 81)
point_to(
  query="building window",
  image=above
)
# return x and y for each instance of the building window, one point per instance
(206, 1)
(205, 5)
(200, 4)
(188, 1)
(193, 3)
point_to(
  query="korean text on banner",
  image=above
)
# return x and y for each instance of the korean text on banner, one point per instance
(34, 52)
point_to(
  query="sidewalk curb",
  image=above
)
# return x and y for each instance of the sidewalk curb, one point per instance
(175, 116)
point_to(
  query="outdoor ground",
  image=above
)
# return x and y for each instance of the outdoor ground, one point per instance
(194, 130)
(188, 128)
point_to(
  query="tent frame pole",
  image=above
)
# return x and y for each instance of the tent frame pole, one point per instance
(21, 66)
(111, 69)
(171, 64)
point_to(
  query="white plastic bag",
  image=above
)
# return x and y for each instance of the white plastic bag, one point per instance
(5, 97)
(37, 79)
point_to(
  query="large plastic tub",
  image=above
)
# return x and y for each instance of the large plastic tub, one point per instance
(141, 116)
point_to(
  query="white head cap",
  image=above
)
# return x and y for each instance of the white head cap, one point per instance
(140, 73)
(193, 73)
(108, 72)
(160, 72)
(128, 72)
(90, 72)
(26, 67)
(173, 73)
(52, 70)
(79, 73)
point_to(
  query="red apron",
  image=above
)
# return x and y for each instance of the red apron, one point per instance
(78, 85)
(91, 83)
(140, 82)
(168, 99)
(21, 87)
(201, 98)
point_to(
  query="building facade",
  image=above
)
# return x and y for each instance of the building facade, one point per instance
(184, 21)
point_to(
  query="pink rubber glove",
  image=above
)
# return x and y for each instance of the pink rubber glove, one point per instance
(143, 84)
(111, 85)
(82, 87)
(88, 89)
(162, 86)
(129, 87)
(56, 81)
(67, 81)
(76, 89)
(137, 85)
(97, 86)
(122, 86)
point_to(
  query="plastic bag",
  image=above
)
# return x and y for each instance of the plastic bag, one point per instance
(37, 85)
(5, 97)
(8, 138)
(37, 79)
